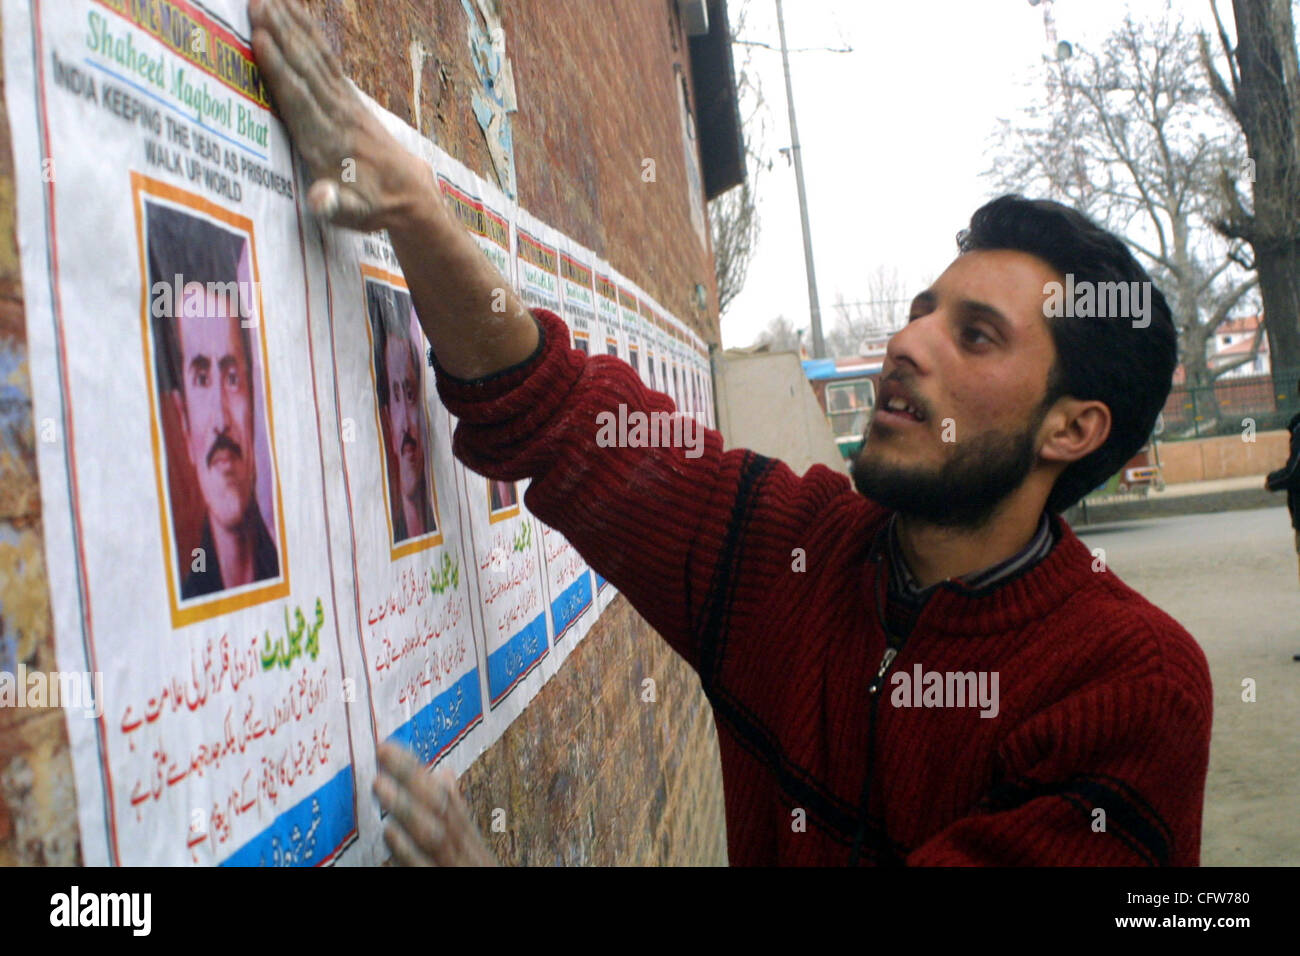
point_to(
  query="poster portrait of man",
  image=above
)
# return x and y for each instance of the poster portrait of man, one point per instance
(503, 498)
(403, 417)
(222, 489)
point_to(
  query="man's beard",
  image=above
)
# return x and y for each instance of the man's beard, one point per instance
(964, 491)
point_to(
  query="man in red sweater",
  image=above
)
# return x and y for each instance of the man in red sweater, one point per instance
(924, 667)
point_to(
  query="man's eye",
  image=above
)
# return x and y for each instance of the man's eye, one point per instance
(971, 328)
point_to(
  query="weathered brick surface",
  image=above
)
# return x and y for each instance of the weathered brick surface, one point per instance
(37, 799)
(588, 774)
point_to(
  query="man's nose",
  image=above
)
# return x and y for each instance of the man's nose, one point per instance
(912, 344)
(227, 409)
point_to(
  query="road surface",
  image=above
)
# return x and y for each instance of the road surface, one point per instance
(1232, 580)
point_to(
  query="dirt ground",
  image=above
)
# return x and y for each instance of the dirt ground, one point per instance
(1232, 580)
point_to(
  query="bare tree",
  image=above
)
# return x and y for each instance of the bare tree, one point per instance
(733, 216)
(880, 313)
(1134, 138)
(779, 335)
(1262, 93)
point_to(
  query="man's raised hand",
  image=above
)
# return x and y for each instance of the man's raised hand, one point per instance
(429, 823)
(361, 176)
(363, 179)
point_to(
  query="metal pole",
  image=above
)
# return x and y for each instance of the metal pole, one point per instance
(814, 310)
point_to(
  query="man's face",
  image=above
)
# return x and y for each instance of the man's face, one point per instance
(973, 360)
(404, 415)
(217, 388)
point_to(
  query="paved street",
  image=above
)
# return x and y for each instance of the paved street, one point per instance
(1231, 579)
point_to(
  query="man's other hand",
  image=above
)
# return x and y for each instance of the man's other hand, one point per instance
(429, 823)
(361, 176)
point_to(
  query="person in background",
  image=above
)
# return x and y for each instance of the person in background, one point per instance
(1287, 478)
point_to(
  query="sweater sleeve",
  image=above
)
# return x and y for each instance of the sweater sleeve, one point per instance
(1114, 776)
(663, 524)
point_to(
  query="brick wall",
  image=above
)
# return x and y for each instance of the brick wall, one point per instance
(588, 773)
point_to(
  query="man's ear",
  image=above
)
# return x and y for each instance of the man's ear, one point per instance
(1074, 429)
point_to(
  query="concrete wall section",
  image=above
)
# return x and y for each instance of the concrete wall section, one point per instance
(766, 404)
(1225, 456)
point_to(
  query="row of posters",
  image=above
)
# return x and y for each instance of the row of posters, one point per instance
(260, 548)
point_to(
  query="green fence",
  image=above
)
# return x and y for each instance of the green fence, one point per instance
(1221, 409)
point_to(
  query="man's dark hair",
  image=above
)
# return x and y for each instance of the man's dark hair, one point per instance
(1104, 359)
(198, 251)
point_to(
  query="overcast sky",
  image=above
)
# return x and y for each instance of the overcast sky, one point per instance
(895, 134)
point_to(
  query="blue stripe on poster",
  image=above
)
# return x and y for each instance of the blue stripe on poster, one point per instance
(601, 583)
(440, 725)
(568, 607)
(508, 664)
(308, 834)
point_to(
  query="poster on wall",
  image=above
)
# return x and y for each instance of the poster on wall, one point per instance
(629, 311)
(570, 589)
(697, 392)
(537, 265)
(578, 296)
(609, 321)
(672, 376)
(540, 269)
(667, 351)
(413, 597)
(680, 366)
(168, 305)
(511, 599)
(682, 359)
(650, 350)
(483, 210)
(504, 558)
(607, 311)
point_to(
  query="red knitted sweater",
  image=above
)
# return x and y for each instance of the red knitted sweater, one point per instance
(1097, 752)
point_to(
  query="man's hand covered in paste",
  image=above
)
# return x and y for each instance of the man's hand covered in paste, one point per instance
(429, 823)
(361, 177)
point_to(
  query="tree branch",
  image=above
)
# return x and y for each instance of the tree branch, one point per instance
(794, 49)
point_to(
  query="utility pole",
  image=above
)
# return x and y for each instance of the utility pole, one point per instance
(814, 310)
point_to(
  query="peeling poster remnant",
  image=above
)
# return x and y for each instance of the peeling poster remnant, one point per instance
(494, 103)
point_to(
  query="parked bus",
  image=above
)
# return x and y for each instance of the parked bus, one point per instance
(846, 390)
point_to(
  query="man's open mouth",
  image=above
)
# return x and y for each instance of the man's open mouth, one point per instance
(898, 409)
(897, 403)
